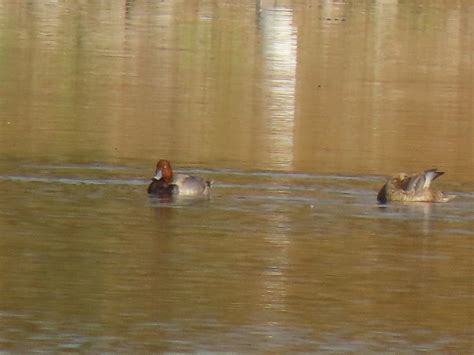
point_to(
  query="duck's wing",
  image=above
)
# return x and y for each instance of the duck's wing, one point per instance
(191, 185)
(423, 181)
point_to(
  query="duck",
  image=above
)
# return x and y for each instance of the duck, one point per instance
(412, 188)
(165, 183)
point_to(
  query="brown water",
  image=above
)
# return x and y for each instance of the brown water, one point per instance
(296, 110)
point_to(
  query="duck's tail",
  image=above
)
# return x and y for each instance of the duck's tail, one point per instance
(447, 198)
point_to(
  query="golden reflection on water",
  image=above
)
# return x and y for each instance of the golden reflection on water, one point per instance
(330, 87)
(389, 102)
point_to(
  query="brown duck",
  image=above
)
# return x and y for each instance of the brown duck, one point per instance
(412, 188)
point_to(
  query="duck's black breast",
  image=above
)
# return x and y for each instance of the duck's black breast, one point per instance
(161, 188)
(382, 195)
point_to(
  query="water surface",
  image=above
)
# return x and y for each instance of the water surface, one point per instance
(297, 110)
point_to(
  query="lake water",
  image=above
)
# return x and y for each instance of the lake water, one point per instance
(297, 111)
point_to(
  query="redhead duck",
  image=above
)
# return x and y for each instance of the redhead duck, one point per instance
(412, 188)
(165, 183)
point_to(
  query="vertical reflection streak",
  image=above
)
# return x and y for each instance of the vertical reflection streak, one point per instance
(279, 51)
